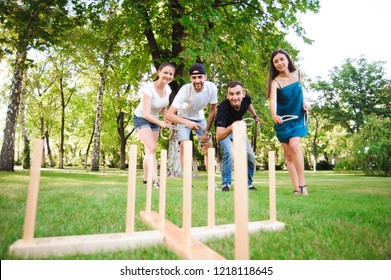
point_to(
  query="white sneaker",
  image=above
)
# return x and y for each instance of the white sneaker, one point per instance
(216, 188)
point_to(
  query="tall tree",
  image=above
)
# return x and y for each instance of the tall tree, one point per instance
(233, 38)
(28, 24)
(354, 91)
(106, 26)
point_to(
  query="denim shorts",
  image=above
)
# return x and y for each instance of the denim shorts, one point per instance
(184, 131)
(143, 123)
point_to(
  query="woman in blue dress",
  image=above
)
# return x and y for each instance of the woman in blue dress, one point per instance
(286, 98)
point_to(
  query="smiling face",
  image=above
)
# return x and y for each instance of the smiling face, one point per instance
(198, 81)
(280, 62)
(166, 74)
(235, 96)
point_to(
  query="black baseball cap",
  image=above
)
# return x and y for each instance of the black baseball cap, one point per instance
(197, 68)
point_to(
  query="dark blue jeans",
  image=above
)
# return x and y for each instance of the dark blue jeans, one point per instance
(228, 157)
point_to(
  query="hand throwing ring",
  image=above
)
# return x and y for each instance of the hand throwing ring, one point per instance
(171, 127)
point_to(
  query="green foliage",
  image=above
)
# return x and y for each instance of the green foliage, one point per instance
(372, 146)
(234, 39)
(324, 165)
(34, 23)
(370, 149)
(97, 39)
(355, 90)
(345, 164)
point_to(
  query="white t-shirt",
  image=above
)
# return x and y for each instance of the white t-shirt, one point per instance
(190, 104)
(157, 102)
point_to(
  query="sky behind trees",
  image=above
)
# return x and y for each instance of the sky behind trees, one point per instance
(342, 29)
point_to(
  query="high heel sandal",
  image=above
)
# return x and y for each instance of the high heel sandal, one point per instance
(302, 191)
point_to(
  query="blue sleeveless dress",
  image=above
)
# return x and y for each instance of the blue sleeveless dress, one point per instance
(290, 101)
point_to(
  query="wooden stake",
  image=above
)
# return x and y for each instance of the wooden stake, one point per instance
(272, 188)
(187, 185)
(32, 195)
(240, 191)
(211, 187)
(162, 191)
(131, 201)
(149, 184)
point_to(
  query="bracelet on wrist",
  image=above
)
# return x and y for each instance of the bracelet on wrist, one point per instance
(255, 117)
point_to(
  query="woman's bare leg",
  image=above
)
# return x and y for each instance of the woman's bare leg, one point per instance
(149, 139)
(295, 158)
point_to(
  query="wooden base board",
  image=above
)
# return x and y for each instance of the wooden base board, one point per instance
(84, 244)
(87, 244)
(220, 231)
(186, 248)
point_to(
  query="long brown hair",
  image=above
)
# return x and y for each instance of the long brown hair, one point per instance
(273, 72)
(164, 64)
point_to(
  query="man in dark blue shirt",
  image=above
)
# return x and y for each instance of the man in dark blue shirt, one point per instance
(230, 110)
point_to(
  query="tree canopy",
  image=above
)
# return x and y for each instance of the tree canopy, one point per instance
(95, 54)
(356, 89)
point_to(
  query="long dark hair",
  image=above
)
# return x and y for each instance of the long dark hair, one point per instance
(273, 72)
(164, 64)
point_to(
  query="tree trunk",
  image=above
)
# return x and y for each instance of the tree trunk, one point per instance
(121, 133)
(61, 147)
(98, 121)
(8, 148)
(174, 163)
(42, 125)
(195, 167)
(50, 158)
(88, 149)
(22, 121)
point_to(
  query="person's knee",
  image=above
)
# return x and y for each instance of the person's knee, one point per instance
(288, 157)
(228, 155)
(151, 149)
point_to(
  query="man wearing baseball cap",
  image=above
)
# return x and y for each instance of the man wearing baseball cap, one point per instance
(190, 103)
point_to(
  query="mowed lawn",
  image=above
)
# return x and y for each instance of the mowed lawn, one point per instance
(346, 216)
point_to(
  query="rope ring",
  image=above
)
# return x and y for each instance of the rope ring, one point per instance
(286, 118)
(171, 127)
(250, 121)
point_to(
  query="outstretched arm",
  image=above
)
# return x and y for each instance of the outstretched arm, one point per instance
(253, 114)
(174, 118)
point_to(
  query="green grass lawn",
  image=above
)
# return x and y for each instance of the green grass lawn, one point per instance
(346, 216)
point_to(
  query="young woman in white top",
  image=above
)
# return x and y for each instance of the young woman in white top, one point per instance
(154, 99)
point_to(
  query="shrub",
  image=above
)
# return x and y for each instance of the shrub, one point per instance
(324, 165)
